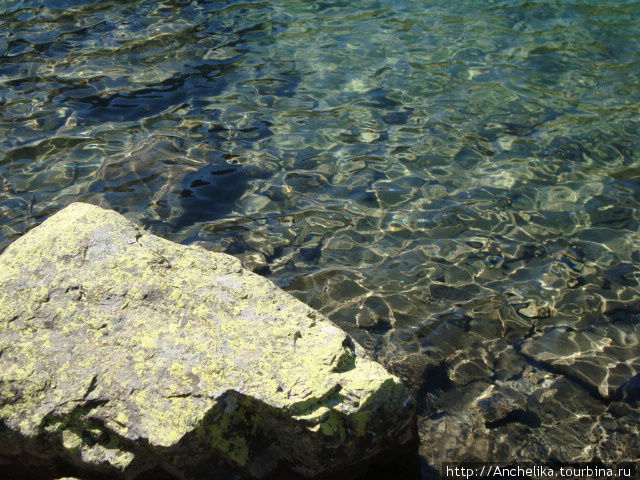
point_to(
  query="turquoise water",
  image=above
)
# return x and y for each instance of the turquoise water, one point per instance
(456, 184)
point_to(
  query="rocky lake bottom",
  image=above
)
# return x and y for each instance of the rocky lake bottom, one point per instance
(456, 185)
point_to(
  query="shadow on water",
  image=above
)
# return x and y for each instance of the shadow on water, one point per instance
(176, 190)
(409, 467)
(210, 193)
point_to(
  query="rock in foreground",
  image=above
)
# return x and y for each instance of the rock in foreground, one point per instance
(125, 355)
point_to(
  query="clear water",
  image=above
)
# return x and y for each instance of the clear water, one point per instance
(454, 183)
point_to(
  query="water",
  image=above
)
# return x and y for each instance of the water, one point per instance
(456, 184)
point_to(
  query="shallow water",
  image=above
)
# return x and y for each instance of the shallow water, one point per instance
(454, 183)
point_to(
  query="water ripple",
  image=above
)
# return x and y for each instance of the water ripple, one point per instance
(455, 184)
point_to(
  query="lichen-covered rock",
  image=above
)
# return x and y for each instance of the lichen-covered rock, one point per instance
(123, 353)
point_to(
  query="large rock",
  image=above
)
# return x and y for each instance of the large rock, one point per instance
(123, 354)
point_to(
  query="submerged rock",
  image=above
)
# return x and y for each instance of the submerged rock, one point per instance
(125, 355)
(603, 359)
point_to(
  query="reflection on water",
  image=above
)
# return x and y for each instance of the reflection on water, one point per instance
(454, 183)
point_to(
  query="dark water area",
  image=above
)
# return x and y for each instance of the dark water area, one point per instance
(456, 184)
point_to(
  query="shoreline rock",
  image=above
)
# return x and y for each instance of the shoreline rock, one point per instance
(123, 353)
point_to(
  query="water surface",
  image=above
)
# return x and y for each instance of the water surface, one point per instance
(456, 184)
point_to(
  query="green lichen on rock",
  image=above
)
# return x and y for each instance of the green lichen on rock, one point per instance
(120, 349)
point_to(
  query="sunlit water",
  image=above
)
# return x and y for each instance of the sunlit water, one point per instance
(455, 183)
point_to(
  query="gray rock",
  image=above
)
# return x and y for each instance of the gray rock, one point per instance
(122, 354)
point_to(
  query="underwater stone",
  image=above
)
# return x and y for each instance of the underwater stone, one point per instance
(123, 354)
(603, 358)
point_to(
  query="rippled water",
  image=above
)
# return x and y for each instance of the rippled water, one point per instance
(454, 183)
